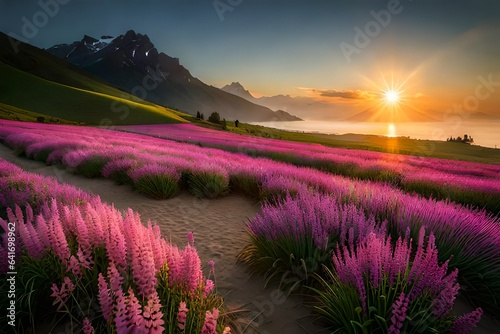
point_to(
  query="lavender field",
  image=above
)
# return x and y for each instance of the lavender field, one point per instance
(378, 242)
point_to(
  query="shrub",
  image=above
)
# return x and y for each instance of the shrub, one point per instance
(208, 181)
(117, 170)
(294, 238)
(88, 163)
(376, 287)
(156, 181)
(214, 117)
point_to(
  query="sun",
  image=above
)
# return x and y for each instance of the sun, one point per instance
(391, 96)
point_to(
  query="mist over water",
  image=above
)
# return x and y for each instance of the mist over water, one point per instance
(484, 133)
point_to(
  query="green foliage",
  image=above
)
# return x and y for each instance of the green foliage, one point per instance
(33, 281)
(42, 155)
(247, 184)
(204, 184)
(92, 167)
(286, 261)
(339, 306)
(157, 186)
(121, 177)
(214, 117)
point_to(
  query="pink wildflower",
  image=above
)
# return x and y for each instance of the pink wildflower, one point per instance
(62, 294)
(190, 237)
(211, 264)
(115, 279)
(134, 310)
(192, 268)
(153, 316)
(182, 315)
(466, 323)
(120, 312)
(105, 300)
(209, 286)
(74, 266)
(210, 325)
(399, 309)
(87, 326)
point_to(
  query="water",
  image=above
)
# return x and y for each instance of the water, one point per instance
(484, 133)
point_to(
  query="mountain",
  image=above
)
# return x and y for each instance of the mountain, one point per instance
(37, 84)
(237, 89)
(132, 63)
(301, 106)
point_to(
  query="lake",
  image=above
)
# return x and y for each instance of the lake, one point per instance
(484, 133)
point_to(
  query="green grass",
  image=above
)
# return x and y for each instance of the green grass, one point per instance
(27, 96)
(17, 114)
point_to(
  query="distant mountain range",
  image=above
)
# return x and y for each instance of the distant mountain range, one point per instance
(132, 63)
(301, 106)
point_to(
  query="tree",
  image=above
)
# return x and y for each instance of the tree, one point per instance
(198, 115)
(214, 117)
(40, 119)
(236, 123)
(202, 117)
(224, 124)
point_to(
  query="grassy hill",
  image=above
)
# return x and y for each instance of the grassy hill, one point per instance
(23, 91)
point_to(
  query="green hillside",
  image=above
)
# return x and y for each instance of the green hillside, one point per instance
(106, 106)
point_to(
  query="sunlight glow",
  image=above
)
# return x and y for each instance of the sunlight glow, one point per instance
(391, 130)
(392, 96)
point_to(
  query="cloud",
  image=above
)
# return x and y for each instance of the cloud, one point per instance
(346, 94)
(343, 94)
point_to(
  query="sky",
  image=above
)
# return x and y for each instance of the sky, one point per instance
(437, 54)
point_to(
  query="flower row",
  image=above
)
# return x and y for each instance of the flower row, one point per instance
(437, 178)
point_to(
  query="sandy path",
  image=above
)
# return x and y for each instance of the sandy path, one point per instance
(218, 227)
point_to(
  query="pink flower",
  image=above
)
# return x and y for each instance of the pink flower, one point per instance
(152, 315)
(74, 266)
(190, 237)
(141, 255)
(191, 265)
(105, 300)
(210, 324)
(399, 309)
(115, 279)
(209, 286)
(134, 310)
(62, 294)
(181, 316)
(120, 312)
(466, 323)
(87, 326)
(211, 264)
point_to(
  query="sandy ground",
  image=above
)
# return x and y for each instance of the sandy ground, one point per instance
(218, 227)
